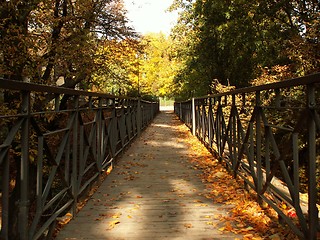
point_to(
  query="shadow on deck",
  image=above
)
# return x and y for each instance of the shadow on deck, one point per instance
(154, 192)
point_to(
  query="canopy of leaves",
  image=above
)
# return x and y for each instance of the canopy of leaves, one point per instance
(157, 65)
(233, 41)
(50, 40)
(85, 42)
(116, 61)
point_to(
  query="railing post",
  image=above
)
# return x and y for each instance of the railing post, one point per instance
(24, 174)
(193, 117)
(210, 127)
(4, 233)
(74, 183)
(152, 108)
(139, 117)
(219, 129)
(99, 135)
(312, 186)
(234, 133)
(258, 146)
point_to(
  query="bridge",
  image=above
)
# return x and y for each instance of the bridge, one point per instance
(58, 144)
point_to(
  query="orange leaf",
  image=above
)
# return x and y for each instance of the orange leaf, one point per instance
(188, 225)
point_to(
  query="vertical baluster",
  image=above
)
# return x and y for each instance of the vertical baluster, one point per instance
(210, 123)
(296, 181)
(267, 133)
(234, 132)
(312, 186)
(219, 127)
(4, 233)
(258, 146)
(193, 117)
(75, 154)
(204, 122)
(139, 117)
(25, 138)
(99, 135)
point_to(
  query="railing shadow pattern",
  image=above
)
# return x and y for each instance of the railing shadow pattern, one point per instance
(269, 136)
(55, 143)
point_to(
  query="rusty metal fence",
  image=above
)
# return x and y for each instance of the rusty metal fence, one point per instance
(269, 136)
(54, 144)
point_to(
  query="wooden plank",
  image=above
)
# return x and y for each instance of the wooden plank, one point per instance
(153, 193)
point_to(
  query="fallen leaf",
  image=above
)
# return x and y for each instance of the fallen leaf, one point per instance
(228, 226)
(188, 225)
(113, 224)
(221, 229)
(106, 215)
(65, 219)
(109, 170)
(249, 229)
(292, 213)
(241, 225)
(117, 215)
(248, 237)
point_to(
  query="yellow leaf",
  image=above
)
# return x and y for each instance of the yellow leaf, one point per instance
(116, 215)
(211, 223)
(109, 170)
(222, 229)
(113, 224)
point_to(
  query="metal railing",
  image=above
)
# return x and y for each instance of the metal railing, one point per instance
(268, 135)
(54, 144)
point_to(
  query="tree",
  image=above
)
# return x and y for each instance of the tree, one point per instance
(231, 41)
(57, 39)
(44, 41)
(116, 61)
(157, 65)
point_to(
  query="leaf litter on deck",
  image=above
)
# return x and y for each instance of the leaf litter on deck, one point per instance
(246, 215)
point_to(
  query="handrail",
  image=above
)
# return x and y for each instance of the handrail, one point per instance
(34, 87)
(54, 144)
(306, 80)
(267, 135)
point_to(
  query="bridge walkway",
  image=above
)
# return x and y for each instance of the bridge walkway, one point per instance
(154, 192)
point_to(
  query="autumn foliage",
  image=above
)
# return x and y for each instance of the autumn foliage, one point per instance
(246, 215)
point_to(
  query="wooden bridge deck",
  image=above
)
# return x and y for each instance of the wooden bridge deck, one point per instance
(152, 193)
